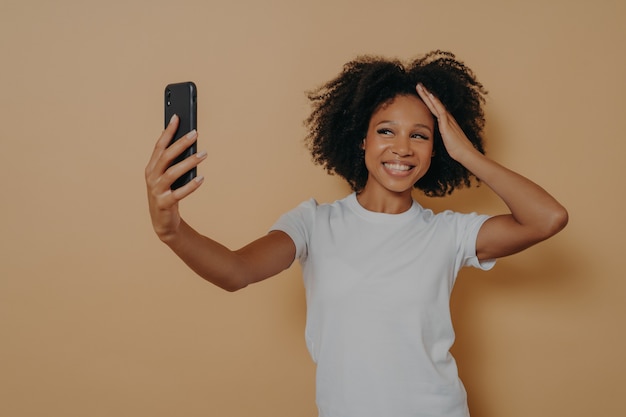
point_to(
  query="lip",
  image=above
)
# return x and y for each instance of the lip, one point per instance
(391, 167)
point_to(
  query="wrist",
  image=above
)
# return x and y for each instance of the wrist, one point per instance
(168, 235)
(465, 154)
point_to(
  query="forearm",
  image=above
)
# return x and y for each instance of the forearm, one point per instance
(209, 259)
(232, 269)
(531, 206)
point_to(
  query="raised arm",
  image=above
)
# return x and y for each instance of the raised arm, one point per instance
(534, 214)
(228, 269)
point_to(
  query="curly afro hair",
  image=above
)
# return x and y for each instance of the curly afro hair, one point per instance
(342, 109)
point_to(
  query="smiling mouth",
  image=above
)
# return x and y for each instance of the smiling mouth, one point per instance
(397, 167)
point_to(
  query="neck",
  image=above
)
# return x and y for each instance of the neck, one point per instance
(389, 202)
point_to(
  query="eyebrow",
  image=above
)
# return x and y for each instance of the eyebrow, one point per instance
(391, 122)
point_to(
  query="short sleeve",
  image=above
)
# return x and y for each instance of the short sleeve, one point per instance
(298, 224)
(467, 233)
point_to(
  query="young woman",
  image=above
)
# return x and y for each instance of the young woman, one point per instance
(378, 267)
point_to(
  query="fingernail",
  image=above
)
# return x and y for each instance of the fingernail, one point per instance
(199, 179)
(172, 118)
(200, 155)
(192, 135)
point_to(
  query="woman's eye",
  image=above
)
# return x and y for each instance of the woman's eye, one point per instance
(384, 131)
(419, 136)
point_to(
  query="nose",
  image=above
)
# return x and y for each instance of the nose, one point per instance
(402, 146)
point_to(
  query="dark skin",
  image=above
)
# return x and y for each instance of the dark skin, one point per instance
(397, 156)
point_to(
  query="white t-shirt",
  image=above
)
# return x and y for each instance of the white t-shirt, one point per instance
(378, 317)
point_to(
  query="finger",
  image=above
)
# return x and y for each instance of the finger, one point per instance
(162, 142)
(165, 200)
(428, 99)
(434, 104)
(168, 198)
(176, 171)
(174, 150)
(159, 185)
(168, 155)
(182, 192)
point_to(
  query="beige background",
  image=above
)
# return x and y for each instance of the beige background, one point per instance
(98, 318)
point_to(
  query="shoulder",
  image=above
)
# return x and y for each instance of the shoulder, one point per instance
(309, 210)
(460, 223)
(451, 216)
(313, 207)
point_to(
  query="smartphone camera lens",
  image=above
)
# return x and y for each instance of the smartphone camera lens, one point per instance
(169, 95)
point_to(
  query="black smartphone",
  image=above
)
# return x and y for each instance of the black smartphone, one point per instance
(181, 99)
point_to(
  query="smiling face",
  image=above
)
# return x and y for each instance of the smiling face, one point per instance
(398, 148)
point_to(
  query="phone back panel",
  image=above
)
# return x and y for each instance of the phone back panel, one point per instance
(181, 99)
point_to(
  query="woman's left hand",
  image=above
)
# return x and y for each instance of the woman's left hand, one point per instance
(535, 215)
(454, 139)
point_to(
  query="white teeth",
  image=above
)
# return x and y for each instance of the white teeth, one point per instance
(397, 167)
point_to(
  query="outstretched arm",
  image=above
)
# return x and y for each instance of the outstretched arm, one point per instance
(230, 270)
(534, 214)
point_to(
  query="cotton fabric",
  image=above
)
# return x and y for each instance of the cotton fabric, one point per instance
(378, 291)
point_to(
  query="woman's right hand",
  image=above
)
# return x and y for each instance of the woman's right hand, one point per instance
(162, 201)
